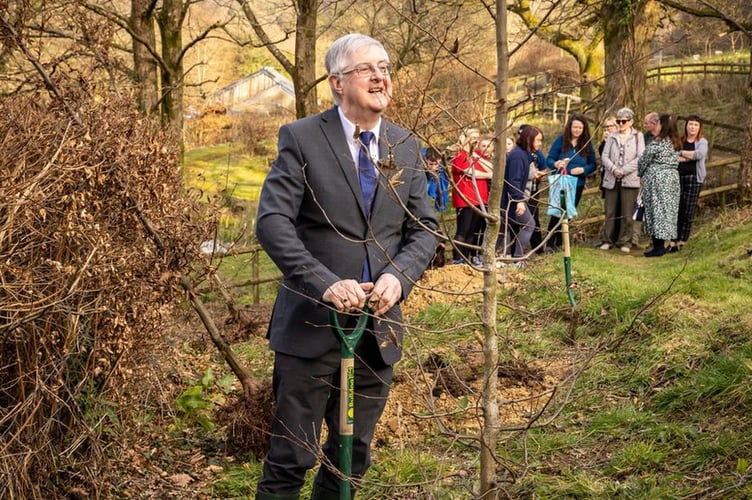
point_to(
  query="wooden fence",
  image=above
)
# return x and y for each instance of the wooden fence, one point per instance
(682, 70)
(534, 95)
(720, 181)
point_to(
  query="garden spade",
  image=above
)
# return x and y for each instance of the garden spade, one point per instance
(348, 343)
(567, 258)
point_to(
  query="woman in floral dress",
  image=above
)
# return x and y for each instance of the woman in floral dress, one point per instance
(659, 169)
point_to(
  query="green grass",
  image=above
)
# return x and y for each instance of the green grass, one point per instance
(233, 183)
(220, 170)
(665, 398)
(668, 394)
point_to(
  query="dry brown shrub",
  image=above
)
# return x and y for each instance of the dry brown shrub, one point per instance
(95, 231)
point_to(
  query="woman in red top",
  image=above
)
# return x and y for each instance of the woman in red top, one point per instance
(471, 173)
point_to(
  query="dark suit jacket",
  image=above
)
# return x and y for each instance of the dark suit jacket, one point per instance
(311, 223)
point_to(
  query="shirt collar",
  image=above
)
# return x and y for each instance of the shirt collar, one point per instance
(349, 127)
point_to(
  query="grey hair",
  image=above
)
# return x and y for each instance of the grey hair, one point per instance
(625, 113)
(339, 52)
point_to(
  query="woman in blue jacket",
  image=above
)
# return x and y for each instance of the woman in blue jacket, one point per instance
(514, 208)
(571, 153)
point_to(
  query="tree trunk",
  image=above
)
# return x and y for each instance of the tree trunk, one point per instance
(303, 70)
(144, 66)
(170, 22)
(627, 48)
(591, 71)
(489, 395)
(304, 75)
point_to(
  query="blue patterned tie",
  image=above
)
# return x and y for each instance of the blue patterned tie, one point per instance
(368, 181)
(366, 171)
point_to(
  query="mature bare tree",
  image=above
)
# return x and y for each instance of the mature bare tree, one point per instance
(158, 64)
(303, 69)
(572, 26)
(145, 68)
(628, 28)
(613, 32)
(738, 17)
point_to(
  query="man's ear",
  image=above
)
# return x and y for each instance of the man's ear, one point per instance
(335, 82)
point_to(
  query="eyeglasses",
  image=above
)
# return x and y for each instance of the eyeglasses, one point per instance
(622, 122)
(365, 70)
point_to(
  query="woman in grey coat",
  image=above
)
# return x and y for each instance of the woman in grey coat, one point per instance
(620, 181)
(659, 169)
(692, 173)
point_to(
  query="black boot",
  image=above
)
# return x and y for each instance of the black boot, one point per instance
(658, 249)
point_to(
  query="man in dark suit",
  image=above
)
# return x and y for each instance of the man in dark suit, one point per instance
(340, 245)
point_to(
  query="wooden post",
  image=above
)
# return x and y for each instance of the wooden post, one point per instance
(255, 274)
(553, 107)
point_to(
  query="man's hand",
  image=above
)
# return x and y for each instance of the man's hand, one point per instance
(347, 295)
(386, 292)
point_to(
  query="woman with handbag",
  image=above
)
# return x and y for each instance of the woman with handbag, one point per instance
(620, 181)
(572, 153)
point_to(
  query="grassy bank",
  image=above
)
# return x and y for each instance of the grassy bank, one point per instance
(652, 395)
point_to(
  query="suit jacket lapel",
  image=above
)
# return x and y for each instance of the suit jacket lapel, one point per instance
(388, 167)
(332, 129)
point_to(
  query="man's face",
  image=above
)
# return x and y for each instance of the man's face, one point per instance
(370, 92)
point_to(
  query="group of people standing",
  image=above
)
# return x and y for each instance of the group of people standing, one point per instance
(571, 153)
(659, 169)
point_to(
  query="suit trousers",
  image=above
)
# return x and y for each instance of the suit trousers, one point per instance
(307, 392)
